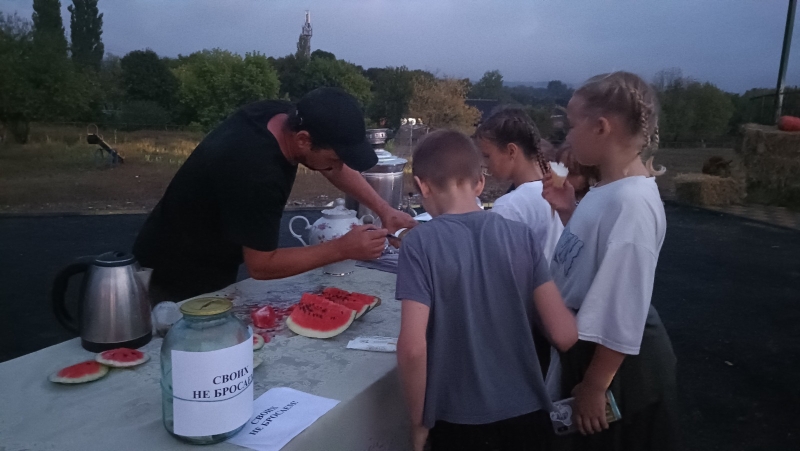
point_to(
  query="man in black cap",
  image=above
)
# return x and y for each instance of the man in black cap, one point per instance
(224, 205)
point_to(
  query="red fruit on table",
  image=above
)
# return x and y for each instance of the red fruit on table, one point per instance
(264, 318)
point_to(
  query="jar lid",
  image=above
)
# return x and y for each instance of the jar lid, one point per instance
(206, 306)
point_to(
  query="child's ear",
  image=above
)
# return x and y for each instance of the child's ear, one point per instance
(422, 187)
(602, 126)
(512, 150)
(480, 185)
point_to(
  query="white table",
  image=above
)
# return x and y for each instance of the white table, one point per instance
(123, 410)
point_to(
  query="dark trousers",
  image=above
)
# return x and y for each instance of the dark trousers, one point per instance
(528, 432)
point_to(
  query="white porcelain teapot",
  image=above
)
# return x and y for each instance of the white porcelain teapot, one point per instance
(334, 223)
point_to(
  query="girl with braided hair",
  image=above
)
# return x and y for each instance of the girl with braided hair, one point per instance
(604, 265)
(513, 152)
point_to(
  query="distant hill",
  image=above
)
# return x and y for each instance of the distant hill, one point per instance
(531, 84)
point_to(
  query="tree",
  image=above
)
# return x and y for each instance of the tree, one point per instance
(146, 77)
(213, 83)
(559, 91)
(392, 89)
(440, 103)
(289, 73)
(490, 86)
(712, 108)
(333, 73)
(110, 80)
(48, 28)
(16, 105)
(86, 29)
(323, 54)
(691, 110)
(37, 82)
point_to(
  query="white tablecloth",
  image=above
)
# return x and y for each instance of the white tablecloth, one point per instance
(123, 410)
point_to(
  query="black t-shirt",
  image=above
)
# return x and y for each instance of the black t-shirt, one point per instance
(229, 193)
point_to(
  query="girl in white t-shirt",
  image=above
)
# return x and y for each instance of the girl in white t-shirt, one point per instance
(604, 265)
(512, 151)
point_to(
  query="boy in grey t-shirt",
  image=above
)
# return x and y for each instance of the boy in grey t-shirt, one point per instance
(473, 286)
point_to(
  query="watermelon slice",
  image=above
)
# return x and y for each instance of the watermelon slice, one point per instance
(258, 341)
(341, 296)
(372, 301)
(122, 357)
(317, 317)
(333, 292)
(352, 304)
(264, 318)
(79, 373)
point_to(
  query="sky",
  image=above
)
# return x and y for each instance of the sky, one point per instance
(735, 44)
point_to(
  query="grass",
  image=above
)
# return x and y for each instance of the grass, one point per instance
(57, 171)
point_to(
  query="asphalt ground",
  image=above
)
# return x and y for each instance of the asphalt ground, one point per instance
(727, 289)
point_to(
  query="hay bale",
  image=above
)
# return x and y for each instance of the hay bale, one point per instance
(771, 158)
(708, 190)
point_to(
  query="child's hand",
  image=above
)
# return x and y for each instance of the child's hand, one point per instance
(590, 408)
(562, 199)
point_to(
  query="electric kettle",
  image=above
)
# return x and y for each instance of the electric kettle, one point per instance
(113, 306)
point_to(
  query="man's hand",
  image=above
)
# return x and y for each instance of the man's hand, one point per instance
(590, 408)
(362, 243)
(419, 435)
(394, 220)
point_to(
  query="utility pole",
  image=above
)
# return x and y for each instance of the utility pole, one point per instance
(787, 43)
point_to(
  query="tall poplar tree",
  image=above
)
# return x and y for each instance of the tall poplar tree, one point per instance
(48, 28)
(86, 29)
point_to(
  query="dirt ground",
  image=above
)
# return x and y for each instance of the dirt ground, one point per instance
(54, 176)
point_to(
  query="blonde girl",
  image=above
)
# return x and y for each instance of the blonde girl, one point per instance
(604, 265)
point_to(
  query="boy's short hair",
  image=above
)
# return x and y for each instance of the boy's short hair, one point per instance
(445, 156)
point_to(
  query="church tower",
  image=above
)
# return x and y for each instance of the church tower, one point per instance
(304, 43)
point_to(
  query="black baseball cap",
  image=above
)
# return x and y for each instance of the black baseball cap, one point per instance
(333, 117)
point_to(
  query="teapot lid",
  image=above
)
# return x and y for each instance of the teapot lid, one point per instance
(339, 211)
(114, 259)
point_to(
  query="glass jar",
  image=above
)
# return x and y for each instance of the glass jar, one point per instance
(207, 373)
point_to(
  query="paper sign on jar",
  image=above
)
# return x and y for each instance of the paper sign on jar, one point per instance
(212, 391)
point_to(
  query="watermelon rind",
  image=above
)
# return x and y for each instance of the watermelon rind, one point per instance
(257, 361)
(106, 358)
(258, 342)
(309, 301)
(101, 371)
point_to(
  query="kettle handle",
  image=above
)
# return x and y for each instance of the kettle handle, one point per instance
(60, 290)
(308, 226)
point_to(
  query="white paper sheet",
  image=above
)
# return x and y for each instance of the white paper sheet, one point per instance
(278, 416)
(377, 344)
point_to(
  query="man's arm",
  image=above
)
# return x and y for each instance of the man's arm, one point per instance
(361, 243)
(354, 184)
(412, 363)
